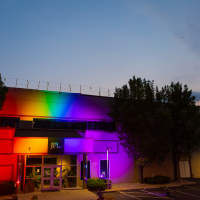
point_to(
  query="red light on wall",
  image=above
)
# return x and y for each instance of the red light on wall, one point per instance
(18, 182)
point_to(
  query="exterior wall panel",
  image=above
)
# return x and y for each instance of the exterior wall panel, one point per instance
(36, 145)
(78, 145)
(6, 146)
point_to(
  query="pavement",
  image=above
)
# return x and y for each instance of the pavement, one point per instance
(183, 192)
(82, 194)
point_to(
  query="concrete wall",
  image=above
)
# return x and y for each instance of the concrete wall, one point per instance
(155, 168)
(8, 162)
(195, 163)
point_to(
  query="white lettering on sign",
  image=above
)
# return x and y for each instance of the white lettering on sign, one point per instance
(55, 145)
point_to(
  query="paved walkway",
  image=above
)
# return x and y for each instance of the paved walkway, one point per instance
(60, 195)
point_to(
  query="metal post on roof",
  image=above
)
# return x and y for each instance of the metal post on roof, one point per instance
(38, 85)
(70, 87)
(16, 83)
(80, 89)
(60, 87)
(27, 83)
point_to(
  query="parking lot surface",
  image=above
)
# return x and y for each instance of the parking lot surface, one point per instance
(174, 193)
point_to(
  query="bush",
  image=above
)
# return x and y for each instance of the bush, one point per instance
(7, 187)
(94, 185)
(156, 180)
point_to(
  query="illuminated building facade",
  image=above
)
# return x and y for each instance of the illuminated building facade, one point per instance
(59, 140)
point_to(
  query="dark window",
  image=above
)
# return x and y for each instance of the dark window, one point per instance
(52, 124)
(95, 125)
(71, 124)
(9, 121)
(64, 125)
(47, 124)
(101, 126)
(33, 161)
(52, 161)
(41, 124)
(103, 169)
(58, 124)
(36, 124)
(84, 126)
(88, 169)
(90, 126)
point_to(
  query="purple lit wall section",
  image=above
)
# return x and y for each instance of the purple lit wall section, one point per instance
(78, 145)
(122, 168)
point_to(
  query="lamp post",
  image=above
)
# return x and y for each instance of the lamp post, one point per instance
(108, 148)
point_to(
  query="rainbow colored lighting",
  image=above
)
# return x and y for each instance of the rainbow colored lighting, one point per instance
(46, 104)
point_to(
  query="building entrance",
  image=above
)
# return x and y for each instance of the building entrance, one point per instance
(51, 177)
(49, 172)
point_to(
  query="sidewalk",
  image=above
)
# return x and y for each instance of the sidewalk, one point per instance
(61, 195)
(129, 186)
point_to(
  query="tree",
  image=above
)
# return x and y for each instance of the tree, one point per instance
(183, 136)
(136, 110)
(3, 91)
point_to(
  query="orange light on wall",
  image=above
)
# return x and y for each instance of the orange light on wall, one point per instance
(30, 145)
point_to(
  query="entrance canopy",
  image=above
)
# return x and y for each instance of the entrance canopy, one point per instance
(60, 142)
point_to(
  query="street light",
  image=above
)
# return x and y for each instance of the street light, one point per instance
(108, 148)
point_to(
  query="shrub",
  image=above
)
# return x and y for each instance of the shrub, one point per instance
(162, 179)
(156, 180)
(94, 185)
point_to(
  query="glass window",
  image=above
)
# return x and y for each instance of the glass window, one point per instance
(34, 160)
(52, 159)
(47, 124)
(69, 160)
(103, 169)
(101, 126)
(9, 121)
(52, 124)
(33, 172)
(95, 125)
(67, 124)
(88, 169)
(64, 125)
(90, 126)
(58, 124)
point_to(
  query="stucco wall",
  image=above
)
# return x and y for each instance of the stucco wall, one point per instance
(164, 168)
(195, 163)
(121, 167)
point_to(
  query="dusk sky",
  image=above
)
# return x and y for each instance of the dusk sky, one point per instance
(99, 43)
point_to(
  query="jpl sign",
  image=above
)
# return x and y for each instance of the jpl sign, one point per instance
(55, 145)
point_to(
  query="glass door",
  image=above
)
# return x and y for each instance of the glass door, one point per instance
(51, 177)
(56, 177)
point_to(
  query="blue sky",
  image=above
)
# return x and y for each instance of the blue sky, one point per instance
(99, 43)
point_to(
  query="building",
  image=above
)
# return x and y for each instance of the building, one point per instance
(52, 137)
(60, 139)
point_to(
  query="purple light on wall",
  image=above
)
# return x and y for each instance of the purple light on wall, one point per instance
(78, 145)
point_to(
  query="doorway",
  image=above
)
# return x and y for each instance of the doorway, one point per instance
(184, 168)
(51, 177)
(51, 171)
